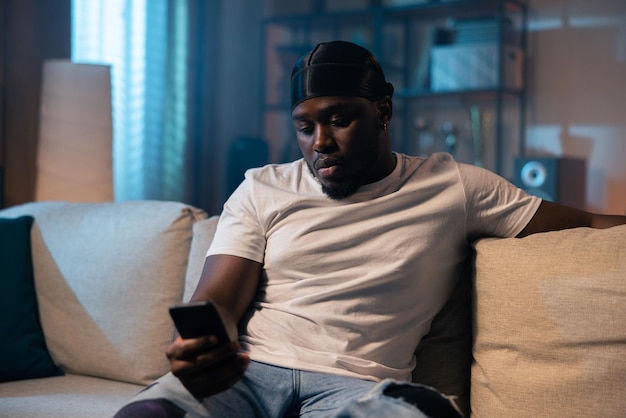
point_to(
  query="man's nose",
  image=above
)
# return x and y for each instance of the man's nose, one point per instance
(324, 140)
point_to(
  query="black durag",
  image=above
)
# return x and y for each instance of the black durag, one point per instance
(338, 68)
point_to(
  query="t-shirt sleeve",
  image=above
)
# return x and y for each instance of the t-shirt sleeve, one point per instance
(494, 206)
(239, 231)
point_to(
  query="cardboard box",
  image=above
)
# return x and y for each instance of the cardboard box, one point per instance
(474, 66)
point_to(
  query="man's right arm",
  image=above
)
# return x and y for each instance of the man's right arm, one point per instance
(230, 282)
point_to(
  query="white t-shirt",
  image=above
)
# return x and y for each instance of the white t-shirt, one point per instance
(352, 285)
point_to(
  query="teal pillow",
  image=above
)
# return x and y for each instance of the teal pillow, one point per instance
(23, 351)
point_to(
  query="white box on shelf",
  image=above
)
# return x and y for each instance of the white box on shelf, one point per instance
(474, 66)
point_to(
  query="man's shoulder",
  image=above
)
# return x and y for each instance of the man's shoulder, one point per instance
(427, 166)
(443, 159)
(291, 177)
(276, 171)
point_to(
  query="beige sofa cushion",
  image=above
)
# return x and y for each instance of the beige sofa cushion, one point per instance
(70, 396)
(550, 331)
(105, 274)
(203, 232)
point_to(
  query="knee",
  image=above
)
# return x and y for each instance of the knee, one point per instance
(150, 408)
(427, 400)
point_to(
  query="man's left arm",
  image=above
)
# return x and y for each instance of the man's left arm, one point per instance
(552, 216)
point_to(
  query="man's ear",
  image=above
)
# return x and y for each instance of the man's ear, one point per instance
(385, 110)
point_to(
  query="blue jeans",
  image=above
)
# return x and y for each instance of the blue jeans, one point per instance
(273, 392)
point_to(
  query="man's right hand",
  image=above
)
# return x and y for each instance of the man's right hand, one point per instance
(205, 369)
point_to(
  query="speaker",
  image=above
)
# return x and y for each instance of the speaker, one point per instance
(559, 180)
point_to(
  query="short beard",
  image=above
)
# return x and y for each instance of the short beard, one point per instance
(341, 191)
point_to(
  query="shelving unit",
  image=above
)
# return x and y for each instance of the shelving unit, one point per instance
(479, 122)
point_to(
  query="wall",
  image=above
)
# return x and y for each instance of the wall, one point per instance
(577, 85)
(239, 67)
(577, 88)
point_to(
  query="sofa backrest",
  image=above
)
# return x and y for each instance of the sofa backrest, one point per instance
(444, 356)
(105, 274)
(550, 328)
(203, 232)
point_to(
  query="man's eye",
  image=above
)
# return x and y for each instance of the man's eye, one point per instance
(307, 130)
(340, 122)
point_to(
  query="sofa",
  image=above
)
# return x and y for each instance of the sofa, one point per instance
(535, 327)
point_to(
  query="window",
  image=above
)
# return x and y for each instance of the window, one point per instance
(145, 42)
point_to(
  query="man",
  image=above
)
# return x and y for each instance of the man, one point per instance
(329, 270)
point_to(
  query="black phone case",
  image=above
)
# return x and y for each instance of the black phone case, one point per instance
(198, 319)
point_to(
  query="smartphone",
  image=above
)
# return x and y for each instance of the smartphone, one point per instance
(199, 319)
